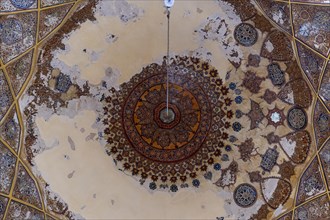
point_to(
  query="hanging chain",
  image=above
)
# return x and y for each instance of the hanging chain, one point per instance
(168, 59)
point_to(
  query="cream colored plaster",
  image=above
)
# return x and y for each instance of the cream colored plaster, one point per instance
(89, 181)
(141, 42)
(89, 172)
(117, 196)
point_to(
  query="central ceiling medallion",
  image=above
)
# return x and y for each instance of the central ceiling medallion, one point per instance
(180, 131)
(168, 142)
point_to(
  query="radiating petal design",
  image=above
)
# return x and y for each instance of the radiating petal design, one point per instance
(321, 120)
(316, 209)
(19, 70)
(325, 160)
(311, 25)
(47, 3)
(325, 87)
(311, 63)
(10, 130)
(3, 206)
(7, 168)
(19, 211)
(277, 47)
(275, 191)
(279, 12)
(17, 34)
(244, 8)
(51, 18)
(25, 187)
(6, 98)
(296, 145)
(312, 1)
(296, 92)
(287, 216)
(14, 5)
(311, 183)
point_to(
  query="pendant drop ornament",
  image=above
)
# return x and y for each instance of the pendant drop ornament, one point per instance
(169, 3)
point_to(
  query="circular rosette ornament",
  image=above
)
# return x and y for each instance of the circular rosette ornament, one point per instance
(168, 143)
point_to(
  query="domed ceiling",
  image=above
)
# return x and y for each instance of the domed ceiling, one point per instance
(97, 121)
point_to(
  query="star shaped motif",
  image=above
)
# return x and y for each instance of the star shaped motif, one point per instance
(269, 96)
(252, 82)
(275, 117)
(286, 169)
(255, 115)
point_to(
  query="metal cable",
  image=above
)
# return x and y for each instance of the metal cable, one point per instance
(168, 60)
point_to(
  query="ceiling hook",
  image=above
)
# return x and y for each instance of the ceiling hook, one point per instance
(169, 3)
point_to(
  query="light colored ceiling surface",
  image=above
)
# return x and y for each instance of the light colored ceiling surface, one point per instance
(82, 94)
